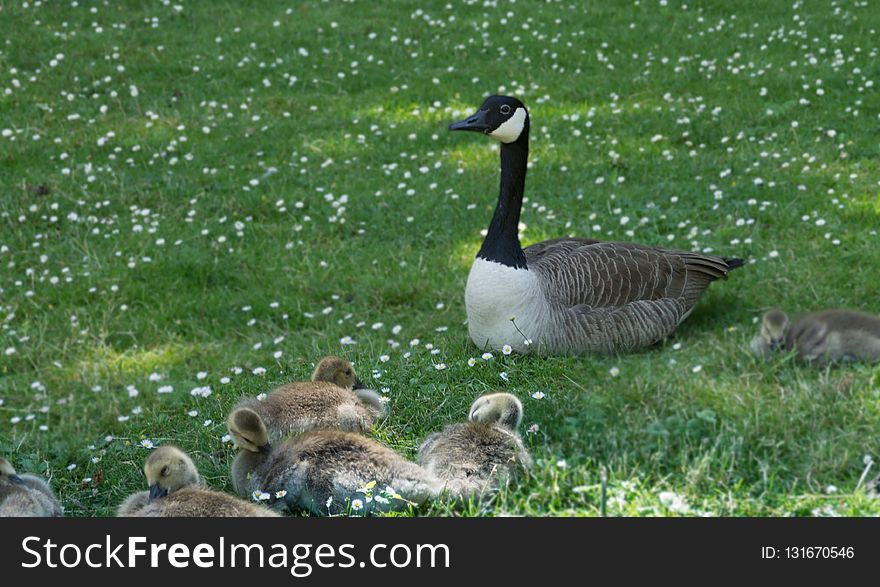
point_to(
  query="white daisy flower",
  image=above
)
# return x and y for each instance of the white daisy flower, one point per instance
(259, 495)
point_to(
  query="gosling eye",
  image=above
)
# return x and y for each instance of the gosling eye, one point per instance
(165, 471)
(505, 109)
(348, 372)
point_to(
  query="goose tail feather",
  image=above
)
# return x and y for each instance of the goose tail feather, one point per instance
(733, 262)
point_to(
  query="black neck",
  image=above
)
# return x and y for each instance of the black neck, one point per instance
(502, 240)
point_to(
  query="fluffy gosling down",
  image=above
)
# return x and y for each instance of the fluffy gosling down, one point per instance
(477, 456)
(25, 495)
(828, 336)
(333, 399)
(176, 492)
(324, 471)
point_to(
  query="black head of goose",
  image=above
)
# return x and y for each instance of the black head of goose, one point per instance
(570, 295)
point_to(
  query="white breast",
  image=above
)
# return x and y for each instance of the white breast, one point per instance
(496, 293)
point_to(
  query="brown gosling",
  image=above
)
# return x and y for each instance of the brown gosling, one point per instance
(771, 337)
(324, 471)
(25, 495)
(176, 491)
(477, 456)
(824, 337)
(334, 399)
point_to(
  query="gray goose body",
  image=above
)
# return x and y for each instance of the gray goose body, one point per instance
(25, 495)
(324, 471)
(478, 456)
(835, 336)
(570, 295)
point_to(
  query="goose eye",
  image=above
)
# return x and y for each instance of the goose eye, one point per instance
(165, 470)
(348, 371)
(505, 109)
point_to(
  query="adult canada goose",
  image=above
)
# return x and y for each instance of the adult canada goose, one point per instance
(570, 295)
(25, 495)
(334, 398)
(478, 455)
(324, 471)
(827, 336)
(176, 491)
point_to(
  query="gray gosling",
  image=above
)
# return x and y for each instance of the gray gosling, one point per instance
(828, 336)
(176, 491)
(25, 495)
(477, 456)
(334, 399)
(325, 471)
(771, 337)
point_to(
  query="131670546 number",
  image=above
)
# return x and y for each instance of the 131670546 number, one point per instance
(808, 552)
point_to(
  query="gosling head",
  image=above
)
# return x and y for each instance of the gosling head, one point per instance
(774, 325)
(501, 117)
(248, 431)
(337, 371)
(502, 409)
(168, 469)
(7, 472)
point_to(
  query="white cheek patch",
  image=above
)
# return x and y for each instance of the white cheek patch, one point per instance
(512, 127)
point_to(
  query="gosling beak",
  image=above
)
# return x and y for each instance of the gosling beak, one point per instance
(475, 122)
(265, 449)
(358, 384)
(16, 479)
(156, 491)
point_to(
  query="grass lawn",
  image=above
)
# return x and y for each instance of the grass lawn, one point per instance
(199, 200)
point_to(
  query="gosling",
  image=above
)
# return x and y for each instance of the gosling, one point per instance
(771, 337)
(176, 491)
(334, 399)
(25, 495)
(326, 472)
(828, 336)
(475, 457)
